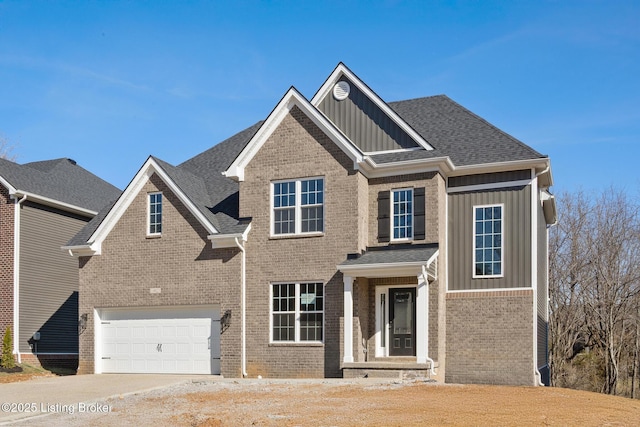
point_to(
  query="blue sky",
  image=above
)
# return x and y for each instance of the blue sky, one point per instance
(109, 82)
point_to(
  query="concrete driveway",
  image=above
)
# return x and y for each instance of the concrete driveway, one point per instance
(42, 396)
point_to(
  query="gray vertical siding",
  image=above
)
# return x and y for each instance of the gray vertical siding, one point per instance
(48, 280)
(516, 238)
(543, 292)
(365, 123)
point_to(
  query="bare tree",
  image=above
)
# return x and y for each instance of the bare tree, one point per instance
(594, 289)
(6, 149)
(566, 268)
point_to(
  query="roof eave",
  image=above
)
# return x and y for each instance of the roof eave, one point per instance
(229, 240)
(46, 201)
(371, 169)
(539, 164)
(83, 250)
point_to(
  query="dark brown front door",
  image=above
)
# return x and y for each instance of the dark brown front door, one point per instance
(402, 321)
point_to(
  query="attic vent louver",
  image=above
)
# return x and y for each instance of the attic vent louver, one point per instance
(341, 90)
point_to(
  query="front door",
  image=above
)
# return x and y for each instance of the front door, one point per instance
(402, 322)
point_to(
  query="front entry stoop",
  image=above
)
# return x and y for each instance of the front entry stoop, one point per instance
(402, 370)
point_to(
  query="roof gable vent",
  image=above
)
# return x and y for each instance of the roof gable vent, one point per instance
(341, 90)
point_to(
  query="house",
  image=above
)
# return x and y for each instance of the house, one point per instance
(43, 205)
(342, 236)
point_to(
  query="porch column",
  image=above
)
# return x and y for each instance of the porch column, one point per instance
(348, 319)
(422, 319)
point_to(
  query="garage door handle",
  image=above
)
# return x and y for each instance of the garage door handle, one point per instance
(106, 358)
(209, 343)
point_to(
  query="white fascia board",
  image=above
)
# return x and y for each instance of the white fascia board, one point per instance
(6, 185)
(83, 250)
(228, 240)
(383, 270)
(371, 169)
(131, 192)
(539, 164)
(289, 100)
(341, 70)
(67, 207)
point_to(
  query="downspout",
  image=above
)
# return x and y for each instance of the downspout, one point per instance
(16, 276)
(243, 310)
(534, 272)
(431, 362)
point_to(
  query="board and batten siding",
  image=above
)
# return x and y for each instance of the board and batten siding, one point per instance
(48, 280)
(364, 122)
(516, 238)
(543, 292)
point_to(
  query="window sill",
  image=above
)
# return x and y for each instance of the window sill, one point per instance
(400, 241)
(296, 344)
(154, 236)
(294, 236)
(500, 276)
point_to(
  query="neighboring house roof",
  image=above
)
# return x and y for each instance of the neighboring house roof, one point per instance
(58, 182)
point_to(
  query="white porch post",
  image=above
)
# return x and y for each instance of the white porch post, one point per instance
(348, 319)
(422, 319)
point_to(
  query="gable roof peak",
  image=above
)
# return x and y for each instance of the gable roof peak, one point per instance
(342, 71)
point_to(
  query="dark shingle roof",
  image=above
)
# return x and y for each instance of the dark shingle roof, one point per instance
(456, 132)
(200, 179)
(394, 254)
(61, 180)
(450, 128)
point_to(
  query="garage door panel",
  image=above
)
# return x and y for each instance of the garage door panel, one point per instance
(169, 342)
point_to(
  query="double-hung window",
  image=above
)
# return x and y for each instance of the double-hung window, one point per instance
(488, 251)
(297, 312)
(402, 203)
(298, 206)
(155, 214)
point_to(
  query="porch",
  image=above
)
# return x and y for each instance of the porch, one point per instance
(390, 312)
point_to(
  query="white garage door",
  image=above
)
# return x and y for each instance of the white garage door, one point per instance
(170, 340)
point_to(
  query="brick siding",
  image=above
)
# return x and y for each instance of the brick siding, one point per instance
(490, 338)
(181, 263)
(298, 149)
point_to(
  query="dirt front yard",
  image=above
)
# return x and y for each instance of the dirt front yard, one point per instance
(355, 403)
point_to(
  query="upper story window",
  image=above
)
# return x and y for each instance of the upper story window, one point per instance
(402, 214)
(488, 226)
(298, 206)
(155, 214)
(297, 312)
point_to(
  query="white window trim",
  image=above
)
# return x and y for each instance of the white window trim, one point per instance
(149, 234)
(473, 244)
(297, 207)
(297, 340)
(391, 216)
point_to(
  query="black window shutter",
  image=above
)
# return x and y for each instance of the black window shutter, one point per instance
(418, 214)
(383, 216)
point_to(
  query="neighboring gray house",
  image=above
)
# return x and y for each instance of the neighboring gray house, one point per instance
(42, 205)
(342, 236)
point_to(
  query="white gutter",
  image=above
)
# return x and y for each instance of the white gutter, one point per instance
(243, 310)
(55, 203)
(431, 362)
(16, 275)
